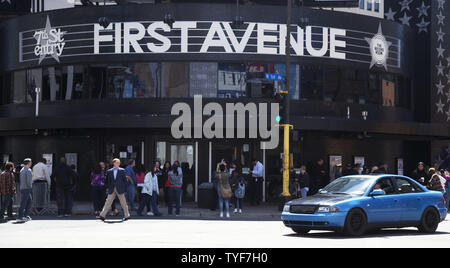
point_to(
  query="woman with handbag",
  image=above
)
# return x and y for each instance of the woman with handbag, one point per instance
(223, 190)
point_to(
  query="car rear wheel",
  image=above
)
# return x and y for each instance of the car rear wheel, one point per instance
(430, 221)
(300, 230)
(355, 223)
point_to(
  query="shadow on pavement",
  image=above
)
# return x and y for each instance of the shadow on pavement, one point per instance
(118, 219)
(370, 234)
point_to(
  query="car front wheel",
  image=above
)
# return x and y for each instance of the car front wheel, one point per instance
(430, 221)
(355, 223)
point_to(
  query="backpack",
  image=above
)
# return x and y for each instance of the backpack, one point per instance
(175, 179)
(240, 190)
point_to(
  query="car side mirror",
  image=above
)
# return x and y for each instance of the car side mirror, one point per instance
(378, 192)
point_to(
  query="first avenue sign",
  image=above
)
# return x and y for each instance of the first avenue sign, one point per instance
(206, 37)
(221, 37)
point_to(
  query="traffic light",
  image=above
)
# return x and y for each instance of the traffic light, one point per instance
(279, 98)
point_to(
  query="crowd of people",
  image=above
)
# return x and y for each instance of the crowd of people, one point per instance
(109, 184)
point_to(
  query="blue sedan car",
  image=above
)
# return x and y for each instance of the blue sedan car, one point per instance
(355, 204)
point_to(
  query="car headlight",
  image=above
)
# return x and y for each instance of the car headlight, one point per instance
(327, 209)
(286, 208)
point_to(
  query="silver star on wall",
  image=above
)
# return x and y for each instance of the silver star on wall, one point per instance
(423, 10)
(441, 4)
(8, 1)
(405, 19)
(423, 26)
(440, 35)
(440, 68)
(440, 87)
(405, 4)
(440, 106)
(440, 18)
(440, 51)
(390, 15)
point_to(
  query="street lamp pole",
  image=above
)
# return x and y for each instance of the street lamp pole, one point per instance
(286, 124)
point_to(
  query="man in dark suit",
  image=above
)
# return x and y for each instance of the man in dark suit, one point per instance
(116, 182)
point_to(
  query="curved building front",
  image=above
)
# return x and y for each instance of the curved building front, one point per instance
(108, 90)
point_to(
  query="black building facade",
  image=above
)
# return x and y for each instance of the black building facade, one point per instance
(108, 92)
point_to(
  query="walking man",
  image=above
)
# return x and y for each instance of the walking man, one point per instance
(7, 189)
(256, 182)
(116, 182)
(26, 182)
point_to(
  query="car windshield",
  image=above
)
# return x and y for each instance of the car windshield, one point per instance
(347, 186)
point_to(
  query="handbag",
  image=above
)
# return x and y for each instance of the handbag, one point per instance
(226, 192)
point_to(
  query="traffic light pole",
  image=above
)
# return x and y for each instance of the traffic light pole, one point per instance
(286, 125)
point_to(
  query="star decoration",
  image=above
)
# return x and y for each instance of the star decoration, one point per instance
(448, 114)
(8, 1)
(448, 61)
(423, 10)
(405, 20)
(440, 88)
(447, 94)
(390, 15)
(440, 18)
(405, 4)
(440, 51)
(440, 35)
(440, 106)
(45, 41)
(423, 26)
(441, 4)
(440, 68)
(379, 48)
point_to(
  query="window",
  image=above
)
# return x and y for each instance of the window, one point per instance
(34, 80)
(175, 78)
(182, 153)
(386, 185)
(72, 82)
(374, 88)
(404, 186)
(19, 86)
(51, 84)
(203, 79)
(311, 82)
(231, 80)
(161, 151)
(257, 85)
(369, 5)
(388, 90)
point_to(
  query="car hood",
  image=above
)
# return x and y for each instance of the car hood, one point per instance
(322, 199)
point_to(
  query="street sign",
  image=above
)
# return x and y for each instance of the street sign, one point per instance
(273, 77)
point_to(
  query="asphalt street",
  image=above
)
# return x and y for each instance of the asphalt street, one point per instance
(83, 231)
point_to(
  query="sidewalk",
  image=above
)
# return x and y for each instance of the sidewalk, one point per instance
(266, 211)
